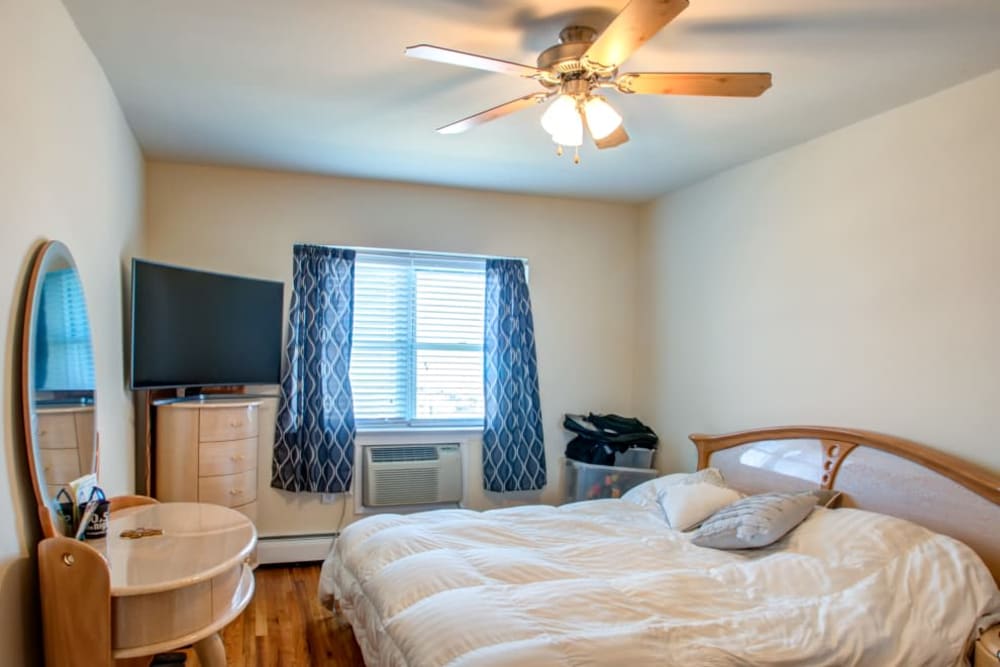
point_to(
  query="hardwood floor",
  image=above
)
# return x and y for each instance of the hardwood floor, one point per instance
(285, 625)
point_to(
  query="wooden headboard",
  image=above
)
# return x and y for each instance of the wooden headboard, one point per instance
(874, 471)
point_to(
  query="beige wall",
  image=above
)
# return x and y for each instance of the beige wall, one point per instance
(853, 280)
(69, 170)
(582, 276)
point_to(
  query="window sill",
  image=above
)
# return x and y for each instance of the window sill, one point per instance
(418, 430)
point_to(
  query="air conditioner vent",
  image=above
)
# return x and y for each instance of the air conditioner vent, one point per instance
(403, 453)
(406, 487)
(400, 475)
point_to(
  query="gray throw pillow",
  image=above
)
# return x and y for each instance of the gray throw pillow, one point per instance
(754, 522)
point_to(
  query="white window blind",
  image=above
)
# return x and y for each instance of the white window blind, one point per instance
(417, 354)
(66, 358)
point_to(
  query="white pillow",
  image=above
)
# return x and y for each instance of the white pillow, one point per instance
(647, 494)
(687, 505)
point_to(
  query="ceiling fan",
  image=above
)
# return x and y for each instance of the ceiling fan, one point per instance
(584, 62)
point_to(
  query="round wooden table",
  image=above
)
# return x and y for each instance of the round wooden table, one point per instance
(180, 572)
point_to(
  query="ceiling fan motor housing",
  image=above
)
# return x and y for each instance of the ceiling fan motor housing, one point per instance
(576, 87)
(563, 59)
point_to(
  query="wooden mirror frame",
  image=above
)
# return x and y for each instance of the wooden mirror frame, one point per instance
(46, 513)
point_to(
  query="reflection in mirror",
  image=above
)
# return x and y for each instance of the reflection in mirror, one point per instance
(58, 378)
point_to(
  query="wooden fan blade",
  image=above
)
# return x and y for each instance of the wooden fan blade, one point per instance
(616, 138)
(749, 84)
(462, 59)
(494, 113)
(633, 27)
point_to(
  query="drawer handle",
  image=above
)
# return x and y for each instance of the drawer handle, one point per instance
(234, 423)
(235, 492)
(236, 458)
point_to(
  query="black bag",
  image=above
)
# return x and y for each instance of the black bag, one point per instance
(590, 451)
(600, 437)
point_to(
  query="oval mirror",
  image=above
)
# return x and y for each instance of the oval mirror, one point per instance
(57, 375)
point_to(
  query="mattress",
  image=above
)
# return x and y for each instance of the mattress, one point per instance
(607, 582)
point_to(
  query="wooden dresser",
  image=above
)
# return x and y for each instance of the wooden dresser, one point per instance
(66, 443)
(206, 451)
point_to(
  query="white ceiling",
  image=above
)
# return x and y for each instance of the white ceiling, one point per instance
(323, 86)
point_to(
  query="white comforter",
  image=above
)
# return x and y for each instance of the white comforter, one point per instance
(609, 583)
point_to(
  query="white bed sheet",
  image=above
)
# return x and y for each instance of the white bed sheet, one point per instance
(607, 582)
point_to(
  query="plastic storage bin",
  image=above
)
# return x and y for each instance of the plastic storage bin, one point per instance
(634, 457)
(587, 481)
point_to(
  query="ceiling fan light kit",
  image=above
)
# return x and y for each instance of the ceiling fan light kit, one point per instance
(602, 119)
(563, 122)
(584, 61)
(566, 116)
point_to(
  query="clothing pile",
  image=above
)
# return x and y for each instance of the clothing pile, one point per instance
(599, 438)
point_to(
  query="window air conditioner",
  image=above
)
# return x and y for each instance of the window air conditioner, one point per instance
(412, 475)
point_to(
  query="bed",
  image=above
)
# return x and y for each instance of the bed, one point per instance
(608, 582)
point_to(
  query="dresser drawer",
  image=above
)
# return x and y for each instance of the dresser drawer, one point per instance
(57, 431)
(60, 465)
(221, 424)
(227, 458)
(229, 490)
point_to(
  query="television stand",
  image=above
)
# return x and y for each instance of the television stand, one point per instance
(206, 451)
(208, 398)
(148, 402)
(183, 392)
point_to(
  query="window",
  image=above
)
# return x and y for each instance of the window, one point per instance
(417, 353)
(64, 356)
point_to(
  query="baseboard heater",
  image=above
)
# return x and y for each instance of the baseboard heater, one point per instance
(294, 548)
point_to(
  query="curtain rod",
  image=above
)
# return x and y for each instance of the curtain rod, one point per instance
(426, 253)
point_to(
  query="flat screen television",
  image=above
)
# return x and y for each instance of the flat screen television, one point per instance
(200, 329)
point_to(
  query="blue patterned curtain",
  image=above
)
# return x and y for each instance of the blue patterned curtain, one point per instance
(513, 448)
(314, 439)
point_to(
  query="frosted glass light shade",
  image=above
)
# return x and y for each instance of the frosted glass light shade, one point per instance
(562, 120)
(602, 119)
(571, 137)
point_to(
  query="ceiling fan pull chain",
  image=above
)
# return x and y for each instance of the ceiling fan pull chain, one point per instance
(576, 155)
(559, 150)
